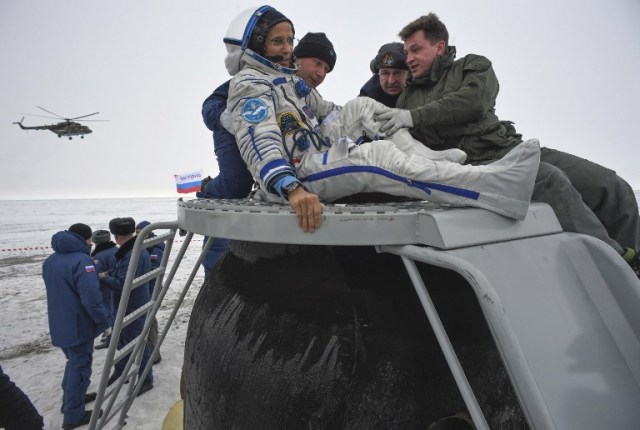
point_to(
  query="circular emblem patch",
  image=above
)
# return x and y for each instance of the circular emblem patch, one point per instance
(254, 110)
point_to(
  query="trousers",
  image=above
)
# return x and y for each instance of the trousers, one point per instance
(76, 380)
(596, 200)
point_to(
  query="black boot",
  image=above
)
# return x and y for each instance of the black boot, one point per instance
(88, 398)
(145, 387)
(84, 420)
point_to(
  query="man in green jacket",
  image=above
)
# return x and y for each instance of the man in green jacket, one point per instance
(451, 104)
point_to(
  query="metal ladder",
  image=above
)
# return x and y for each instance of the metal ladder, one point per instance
(113, 400)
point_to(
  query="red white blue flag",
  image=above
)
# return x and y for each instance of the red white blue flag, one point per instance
(188, 182)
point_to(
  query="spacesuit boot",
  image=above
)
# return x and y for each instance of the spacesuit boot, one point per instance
(504, 187)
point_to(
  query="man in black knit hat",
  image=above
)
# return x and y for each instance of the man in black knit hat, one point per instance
(315, 57)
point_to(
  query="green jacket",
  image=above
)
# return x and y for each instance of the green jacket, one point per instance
(454, 107)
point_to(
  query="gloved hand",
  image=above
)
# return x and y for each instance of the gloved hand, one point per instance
(394, 120)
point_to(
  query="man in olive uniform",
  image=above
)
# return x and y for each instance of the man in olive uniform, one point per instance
(451, 104)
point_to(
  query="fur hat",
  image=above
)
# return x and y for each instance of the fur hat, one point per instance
(316, 45)
(122, 226)
(100, 236)
(82, 230)
(390, 56)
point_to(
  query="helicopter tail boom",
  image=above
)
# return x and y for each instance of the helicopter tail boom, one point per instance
(37, 127)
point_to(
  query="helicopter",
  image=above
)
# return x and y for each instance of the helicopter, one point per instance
(68, 128)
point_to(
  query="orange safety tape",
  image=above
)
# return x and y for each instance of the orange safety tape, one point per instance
(33, 248)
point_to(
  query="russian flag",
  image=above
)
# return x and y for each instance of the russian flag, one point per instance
(188, 182)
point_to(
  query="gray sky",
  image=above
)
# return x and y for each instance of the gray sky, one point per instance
(567, 71)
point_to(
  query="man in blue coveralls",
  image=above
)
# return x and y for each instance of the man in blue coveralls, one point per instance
(77, 315)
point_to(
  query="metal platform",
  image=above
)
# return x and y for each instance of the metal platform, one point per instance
(371, 224)
(563, 308)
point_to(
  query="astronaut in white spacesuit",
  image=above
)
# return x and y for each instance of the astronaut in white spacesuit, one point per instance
(303, 148)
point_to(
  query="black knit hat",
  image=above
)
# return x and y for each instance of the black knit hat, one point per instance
(100, 236)
(316, 45)
(266, 21)
(122, 226)
(390, 56)
(82, 230)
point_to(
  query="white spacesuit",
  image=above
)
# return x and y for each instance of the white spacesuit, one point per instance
(277, 123)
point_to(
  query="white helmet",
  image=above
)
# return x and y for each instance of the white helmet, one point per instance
(239, 32)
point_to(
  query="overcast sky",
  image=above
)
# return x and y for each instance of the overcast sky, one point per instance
(568, 73)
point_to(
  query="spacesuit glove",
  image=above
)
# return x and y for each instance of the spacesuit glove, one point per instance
(393, 120)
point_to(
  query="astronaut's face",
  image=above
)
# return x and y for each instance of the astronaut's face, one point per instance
(280, 42)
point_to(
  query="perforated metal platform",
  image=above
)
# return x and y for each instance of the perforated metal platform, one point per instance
(368, 224)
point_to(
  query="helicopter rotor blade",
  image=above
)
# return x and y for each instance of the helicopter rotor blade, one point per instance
(40, 116)
(52, 113)
(84, 116)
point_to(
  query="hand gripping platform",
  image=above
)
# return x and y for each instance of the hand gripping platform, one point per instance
(563, 308)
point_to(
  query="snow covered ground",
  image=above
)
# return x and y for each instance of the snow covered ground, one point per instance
(26, 353)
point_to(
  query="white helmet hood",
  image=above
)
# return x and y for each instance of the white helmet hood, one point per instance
(238, 35)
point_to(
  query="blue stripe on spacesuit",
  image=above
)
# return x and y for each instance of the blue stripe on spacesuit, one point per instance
(253, 142)
(325, 156)
(274, 165)
(252, 23)
(273, 170)
(360, 140)
(424, 186)
(266, 62)
(232, 41)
